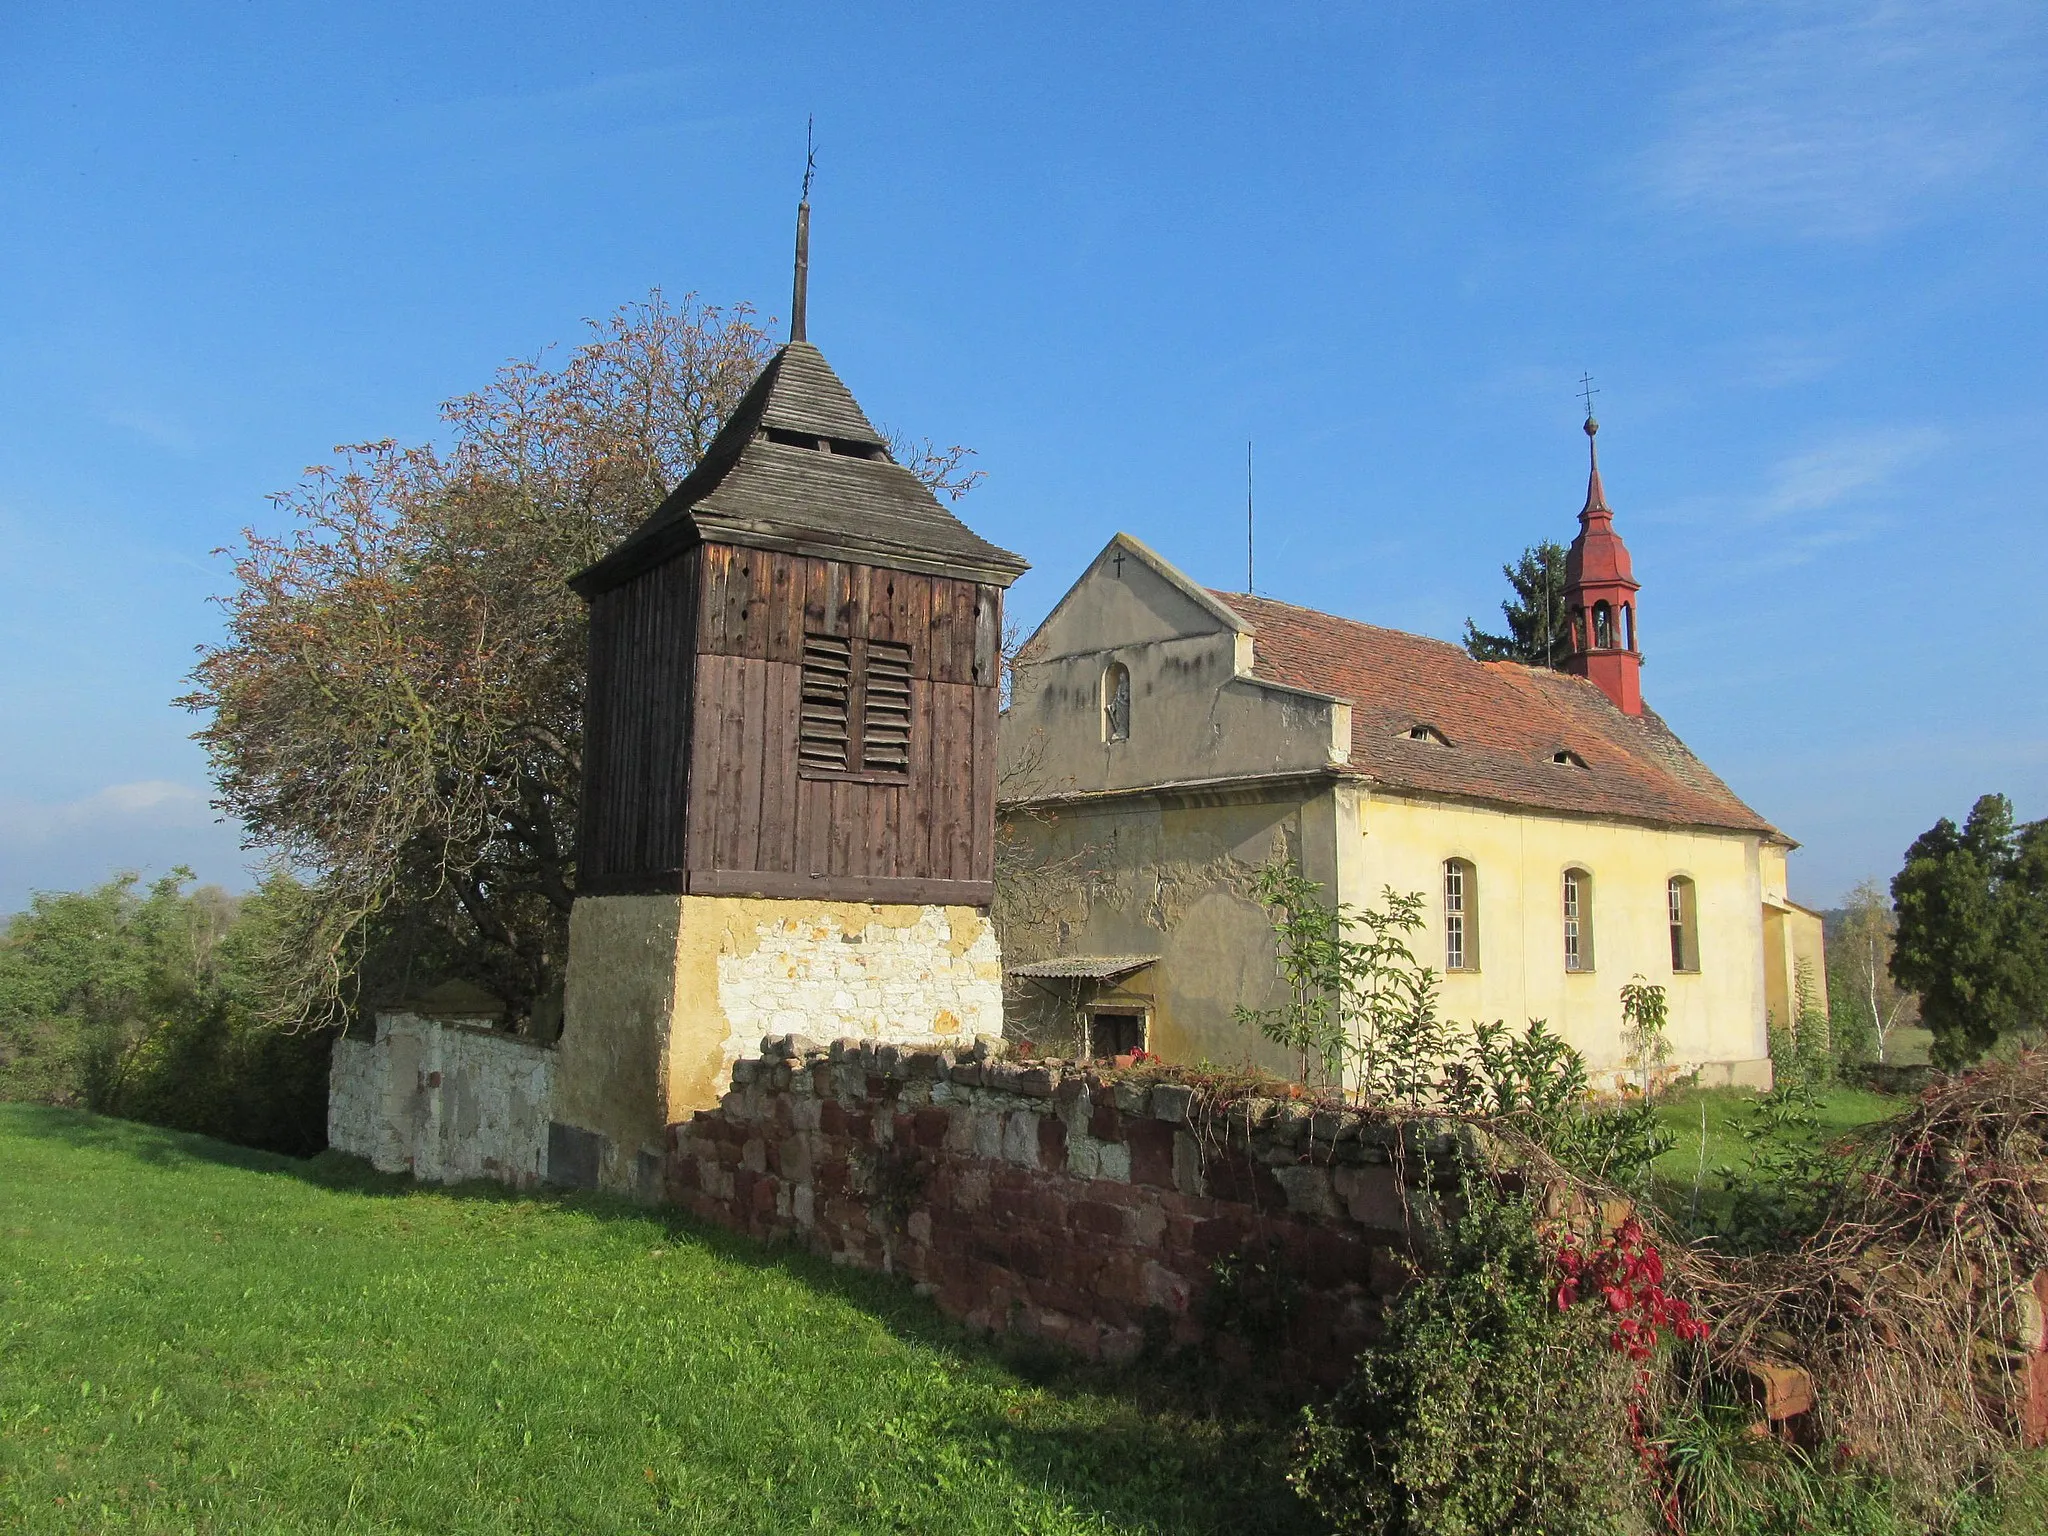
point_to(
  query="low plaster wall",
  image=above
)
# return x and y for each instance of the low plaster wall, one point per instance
(443, 1102)
(1089, 1211)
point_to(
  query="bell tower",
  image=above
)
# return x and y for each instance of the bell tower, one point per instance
(1600, 595)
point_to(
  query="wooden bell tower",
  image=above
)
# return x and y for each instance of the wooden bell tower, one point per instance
(793, 671)
(789, 770)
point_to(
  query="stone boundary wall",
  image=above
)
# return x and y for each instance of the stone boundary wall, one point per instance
(444, 1102)
(1087, 1209)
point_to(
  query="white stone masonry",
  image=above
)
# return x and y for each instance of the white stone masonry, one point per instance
(905, 983)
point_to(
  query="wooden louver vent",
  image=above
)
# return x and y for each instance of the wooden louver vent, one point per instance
(827, 704)
(855, 718)
(885, 711)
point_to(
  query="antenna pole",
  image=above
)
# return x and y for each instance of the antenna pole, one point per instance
(799, 300)
(1248, 517)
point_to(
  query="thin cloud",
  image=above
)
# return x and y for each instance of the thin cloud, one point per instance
(148, 803)
(158, 430)
(1848, 118)
(1850, 466)
(1838, 489)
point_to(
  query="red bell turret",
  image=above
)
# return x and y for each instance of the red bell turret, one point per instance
(1600, 595)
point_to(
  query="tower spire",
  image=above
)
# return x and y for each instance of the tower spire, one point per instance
(1596, 493)
(1600, 591)
(799, 300)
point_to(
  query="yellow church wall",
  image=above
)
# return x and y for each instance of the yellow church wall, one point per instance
(1717, 1014)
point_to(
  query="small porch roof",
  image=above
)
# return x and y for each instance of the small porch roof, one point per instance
(1083, 967)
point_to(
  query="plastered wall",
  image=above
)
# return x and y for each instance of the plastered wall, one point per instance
(1519, 857)
(444, 1102)
(1170, 876)
(664, 993)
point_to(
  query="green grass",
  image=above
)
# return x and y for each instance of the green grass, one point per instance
(1838, 1110)
(198, 1338)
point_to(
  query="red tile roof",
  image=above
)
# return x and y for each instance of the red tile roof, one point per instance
(1501, 723)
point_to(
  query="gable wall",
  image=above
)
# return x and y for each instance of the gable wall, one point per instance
(1196, 713)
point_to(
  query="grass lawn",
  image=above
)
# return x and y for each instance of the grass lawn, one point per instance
(194, 1337)
(1721, 1110)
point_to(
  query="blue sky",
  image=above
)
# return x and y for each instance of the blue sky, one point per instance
(1798, 245)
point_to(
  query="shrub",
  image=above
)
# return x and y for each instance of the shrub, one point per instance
(143, 1004)
(1485, 1408)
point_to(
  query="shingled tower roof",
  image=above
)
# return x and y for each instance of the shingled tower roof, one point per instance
(799, 467)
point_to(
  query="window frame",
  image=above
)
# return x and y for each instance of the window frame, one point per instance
(1682, 911)
(1575, 900)
(1117, 1010)
(1461, 921)
(855, 658)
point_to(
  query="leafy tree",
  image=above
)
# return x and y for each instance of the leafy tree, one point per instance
(82, 974)
(1972, 936)
(397, 708)
(1359, 1005)
(141, 1003)
(1539, 632)
(1644, 1014)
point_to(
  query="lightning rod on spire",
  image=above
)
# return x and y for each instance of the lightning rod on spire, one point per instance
(799, 300)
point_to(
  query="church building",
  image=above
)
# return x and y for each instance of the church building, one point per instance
(1165, 742)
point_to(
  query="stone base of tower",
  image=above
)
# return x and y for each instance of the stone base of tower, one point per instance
(664, 993)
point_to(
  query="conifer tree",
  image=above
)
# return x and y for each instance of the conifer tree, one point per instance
(1538, 633)
(1973, 928)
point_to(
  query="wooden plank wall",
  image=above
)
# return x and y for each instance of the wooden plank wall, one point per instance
(636, 729)
(749, 809)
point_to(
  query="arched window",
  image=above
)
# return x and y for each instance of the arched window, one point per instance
(1116, 702)
(1578, 920)
(1461, 916)
(1682, 901)
(1628, 623)
(1603, 627)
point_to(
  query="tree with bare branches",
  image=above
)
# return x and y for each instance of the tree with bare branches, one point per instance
(1860, 985)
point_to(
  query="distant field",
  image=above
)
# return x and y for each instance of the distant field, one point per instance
(198, 1338)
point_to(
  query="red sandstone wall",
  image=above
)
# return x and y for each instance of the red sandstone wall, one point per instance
(1052, 1200)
